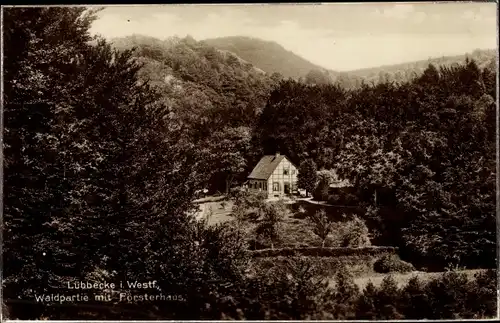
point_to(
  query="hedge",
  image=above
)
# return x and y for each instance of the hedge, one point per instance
(391, 263)
(324, 252)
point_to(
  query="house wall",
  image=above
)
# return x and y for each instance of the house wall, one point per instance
(279, 176)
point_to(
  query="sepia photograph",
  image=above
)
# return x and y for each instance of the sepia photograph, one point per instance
(334, 161)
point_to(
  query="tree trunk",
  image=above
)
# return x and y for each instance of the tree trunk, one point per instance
(272, 245)
(323, 243)
(229, 179)
(375, 197)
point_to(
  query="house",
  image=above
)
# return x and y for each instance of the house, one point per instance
(274, 174)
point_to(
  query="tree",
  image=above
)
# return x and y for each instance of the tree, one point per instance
(355, 233)
(82, 197)
(325, 178)
(448, 295)
(36, 172)
(346, 295)
(321, 224)
(366, 306)
(270, 225)
(276, 77)
(225, 152)
(308, 176)
(317, 77)
(415, 302)
(388, 299)
(301, 122)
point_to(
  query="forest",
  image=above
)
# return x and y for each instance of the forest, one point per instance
(106, 144)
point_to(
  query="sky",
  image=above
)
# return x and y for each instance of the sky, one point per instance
(337, 36)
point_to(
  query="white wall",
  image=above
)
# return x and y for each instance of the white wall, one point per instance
(278, 176)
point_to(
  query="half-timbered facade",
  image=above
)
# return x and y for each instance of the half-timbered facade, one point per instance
(274, 174)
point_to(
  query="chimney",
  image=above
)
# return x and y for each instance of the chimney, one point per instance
(277, 154)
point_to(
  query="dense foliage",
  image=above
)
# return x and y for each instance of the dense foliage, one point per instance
(105, 147)
(298, 290)
(99, 177)
(214, 94)
(429, 188)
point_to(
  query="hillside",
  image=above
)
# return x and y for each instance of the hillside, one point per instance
(267, 55)
(198, 80)
(272, 57)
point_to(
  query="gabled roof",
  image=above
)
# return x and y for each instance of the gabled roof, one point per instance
(266, 166)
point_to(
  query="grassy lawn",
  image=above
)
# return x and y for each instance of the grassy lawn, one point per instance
(220, 213)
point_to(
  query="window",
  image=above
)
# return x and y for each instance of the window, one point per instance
(276, 186)
(285, 171)
(293, 171)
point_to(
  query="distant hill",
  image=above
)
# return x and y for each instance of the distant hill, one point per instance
(406, 71)
(232, 67)
(269, 56)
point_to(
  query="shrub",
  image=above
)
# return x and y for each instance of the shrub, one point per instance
(392, 263)
(482, 295)
(388, 299)
(366, 306)
(321, 191)
(414, 299)
(321, 225)
(354, 233)
(295, 290)
(270, 223)
(345, 296)
(448, 295)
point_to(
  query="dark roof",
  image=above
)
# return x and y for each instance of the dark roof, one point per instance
(266, 166)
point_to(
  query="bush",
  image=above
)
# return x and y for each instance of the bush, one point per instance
(321, 225)
(448, 296)
(392, 263)
(388, 300)
(345, 296)
(482, 295)
(415, 301)
(366, 306)
(354, 233)
(294, 290)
